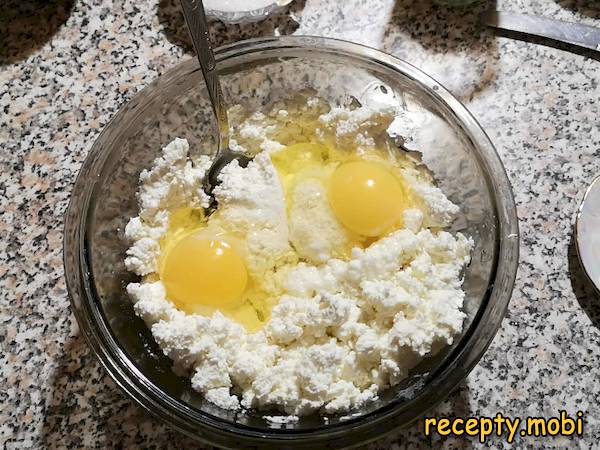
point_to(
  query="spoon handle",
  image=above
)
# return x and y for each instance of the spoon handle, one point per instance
(195, 18)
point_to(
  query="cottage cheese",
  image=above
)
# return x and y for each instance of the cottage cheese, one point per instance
(342, 330)
(251, 203)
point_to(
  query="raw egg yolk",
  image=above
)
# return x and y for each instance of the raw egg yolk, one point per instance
(366, 197)
(203, 272)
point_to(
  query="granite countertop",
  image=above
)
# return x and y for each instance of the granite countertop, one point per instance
(67, 67)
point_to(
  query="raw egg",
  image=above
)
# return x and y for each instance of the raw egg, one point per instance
(366, 197)
(204, 268)
(199, 272)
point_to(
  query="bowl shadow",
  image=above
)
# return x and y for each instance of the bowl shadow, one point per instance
(585, 292)
(85, 409)
(590, 8)
(450, 43)
(282, 22)
(26, 25)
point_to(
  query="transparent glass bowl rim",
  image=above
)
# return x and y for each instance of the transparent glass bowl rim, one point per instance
(87, 308)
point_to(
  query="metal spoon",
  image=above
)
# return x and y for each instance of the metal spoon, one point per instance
(195, 18)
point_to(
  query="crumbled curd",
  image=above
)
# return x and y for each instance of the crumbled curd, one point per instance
(335, 308)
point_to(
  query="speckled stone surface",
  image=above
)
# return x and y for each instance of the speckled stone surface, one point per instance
(67, 67)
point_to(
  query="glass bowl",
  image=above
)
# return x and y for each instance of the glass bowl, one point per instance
(231, 16)
(255, 73)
